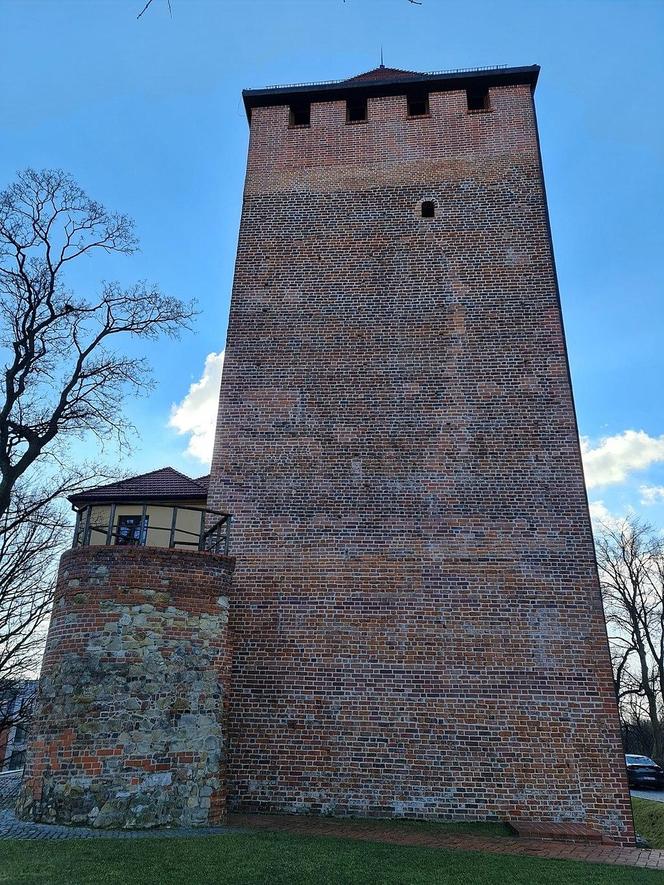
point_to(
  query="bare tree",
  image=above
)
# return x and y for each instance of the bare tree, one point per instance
(630, 557)
(149, 3)
(27, 547)
(61, 379)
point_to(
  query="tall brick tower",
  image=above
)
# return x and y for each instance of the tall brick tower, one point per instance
(416, 613)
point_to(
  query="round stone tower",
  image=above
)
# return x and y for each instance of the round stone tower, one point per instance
(129, 727)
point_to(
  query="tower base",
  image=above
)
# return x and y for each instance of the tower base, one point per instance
(129, 728)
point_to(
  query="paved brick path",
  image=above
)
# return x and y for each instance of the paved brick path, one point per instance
(11, 828)
(310, 826)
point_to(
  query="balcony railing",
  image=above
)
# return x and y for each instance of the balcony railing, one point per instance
(153, 524)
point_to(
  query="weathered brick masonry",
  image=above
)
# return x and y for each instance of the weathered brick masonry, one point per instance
(130, 722)
(417, 621)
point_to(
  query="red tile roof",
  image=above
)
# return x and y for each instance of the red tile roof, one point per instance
(166, 483)
(382, 73)
(203, 481)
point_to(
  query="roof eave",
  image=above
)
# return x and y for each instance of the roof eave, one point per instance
(281, 95)
(75, 500)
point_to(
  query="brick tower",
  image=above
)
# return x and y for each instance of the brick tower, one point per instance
(416, 613)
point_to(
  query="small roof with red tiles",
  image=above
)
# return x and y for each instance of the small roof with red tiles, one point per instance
(166, 484)
(383, 73)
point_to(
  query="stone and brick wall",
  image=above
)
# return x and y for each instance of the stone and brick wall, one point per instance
(129, 729)
(416, 613)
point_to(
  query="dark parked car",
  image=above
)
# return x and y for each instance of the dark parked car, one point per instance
(642, 773)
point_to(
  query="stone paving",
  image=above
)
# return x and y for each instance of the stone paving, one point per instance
(373, 832)
(10, 783)
(12, 828)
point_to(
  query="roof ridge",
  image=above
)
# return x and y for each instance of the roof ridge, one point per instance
(179, 473)
(451, 71)
(117, 482)
(386, 71)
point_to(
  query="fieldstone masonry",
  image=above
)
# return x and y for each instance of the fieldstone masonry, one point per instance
(130, 723)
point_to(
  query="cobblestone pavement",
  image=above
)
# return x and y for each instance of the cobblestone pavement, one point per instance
(10, 783)
(316, 826)
(12, 828)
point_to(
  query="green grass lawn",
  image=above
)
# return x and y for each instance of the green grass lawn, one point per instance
(278, 859)
(405, 825)
(649, 821)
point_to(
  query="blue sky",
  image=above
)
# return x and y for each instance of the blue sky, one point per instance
(147, 116)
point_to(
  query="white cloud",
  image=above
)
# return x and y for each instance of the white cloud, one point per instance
(651, 494)
(601, 515)
(196, 413)
(607, 463)
(616, 456)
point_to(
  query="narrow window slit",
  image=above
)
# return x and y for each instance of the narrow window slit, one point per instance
(478, 98)
(418, 104)
(300, 114)
(356, 110)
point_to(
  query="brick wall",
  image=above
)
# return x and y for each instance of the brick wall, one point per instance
(129, 729)
(417, 620)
